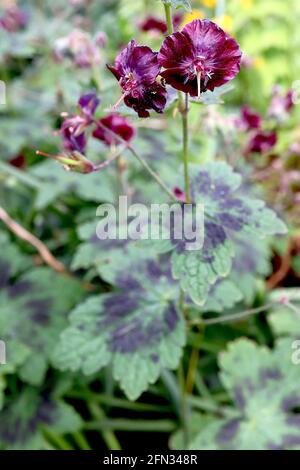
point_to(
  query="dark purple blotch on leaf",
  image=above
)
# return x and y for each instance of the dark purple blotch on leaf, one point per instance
(228, 431)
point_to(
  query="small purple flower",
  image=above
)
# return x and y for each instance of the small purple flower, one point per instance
(13, 19)
(72, 131)
(117, 124)
(201, 57)
(250, 119)
(281, 104)
(88, 104)
(262, 142)
(136, 69)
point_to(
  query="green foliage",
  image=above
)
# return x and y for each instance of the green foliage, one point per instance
(227, 211)
(263, 415)
(132, 312)
(138, 330)
(23, 420)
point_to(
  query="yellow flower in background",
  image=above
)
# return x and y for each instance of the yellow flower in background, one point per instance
(246, 4)
(225, 22)
(195, 15)
(259, 62)
(208, 3)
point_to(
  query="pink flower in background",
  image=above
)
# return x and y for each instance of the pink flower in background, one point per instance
(101, 39)
(200, 57)
(179, 194)
(281, 104)
(136, 69)
(117, 124)
(79, 47)
(14, 19)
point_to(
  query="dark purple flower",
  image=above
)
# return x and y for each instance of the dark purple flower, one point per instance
(73, 127)
(73, 134)
(13, 19)
(250, 119)
(262, 142)
(136, 69)
(281, 104)
(117, 124)
(199, 58)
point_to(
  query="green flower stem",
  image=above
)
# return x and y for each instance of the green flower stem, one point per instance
(107, 434)
(168, 13)
(57, 440)
(121, 403)
(184, 405)
(81, 441)
(185, 135)
(129, 425)
(183, 109)
(235, 316)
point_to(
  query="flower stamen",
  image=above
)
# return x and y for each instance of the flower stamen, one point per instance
(199, 83)
(120, 100)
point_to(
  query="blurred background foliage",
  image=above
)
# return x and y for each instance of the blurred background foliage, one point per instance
(63, 410)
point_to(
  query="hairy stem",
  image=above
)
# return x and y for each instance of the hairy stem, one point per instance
(185, 135)
(168, 13)
(234, 317)
(107, 433)
(81, 441)
(184, 405)
(142, 161)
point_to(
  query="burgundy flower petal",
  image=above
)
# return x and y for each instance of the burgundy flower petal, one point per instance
(262, 142)
(151, 23)
(152, 97)
(19, 161)
(116, 123)
(201, 57)
(250, 119)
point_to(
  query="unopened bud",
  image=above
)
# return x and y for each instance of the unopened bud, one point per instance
(72, 162)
